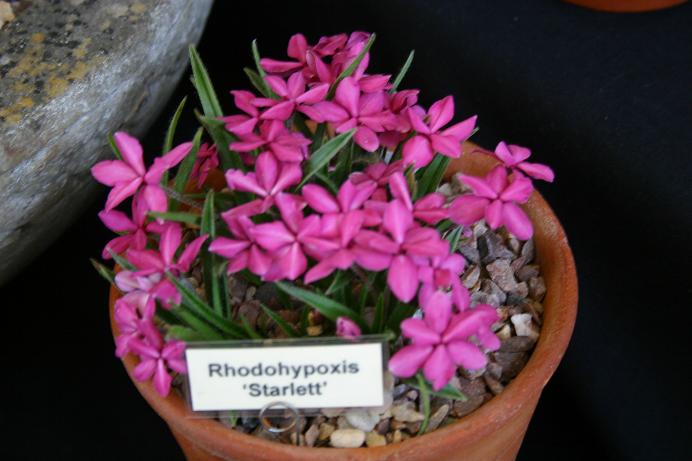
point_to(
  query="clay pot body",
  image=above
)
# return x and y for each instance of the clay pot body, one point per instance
(492, 432)
(627, 6)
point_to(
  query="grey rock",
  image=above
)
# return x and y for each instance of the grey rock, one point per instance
(362, 419)
(502, 274)
(479, 297)
(510, 363)
(471, 254)
(524, 326)
(519, 294)
(72, 74)
(490, 248)
(437, 417)
(347, 438)
(493, 384)
(528, 251)
(383, 426)
(537, 288)
(311, 435)
(405, 412)
(471, 276)
(527, 272)
(491, 288)
(517, 344)
(463, 408)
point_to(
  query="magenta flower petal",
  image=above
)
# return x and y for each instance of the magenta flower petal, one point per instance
(329, 112)
(439, 368)
(347, 328)
(372, 260)
(366, 138)
(281, 111)
(155, 198)
(440, 113)
(279, 67)
(117, 221)
(446, 145)
(162, 380)
(112, 172)
(237, 180)
(131, 151)
(228, 248)
(503, 153)
(278, 85)
(272, 236)
(402, 278)
(468, 209)
(419, 332)
(319, 199)
(406, 362)
(292, 261)
(348, 94)
(190, 252)
(516, 221)
(399, 188)
(466, 355)
(519, 190)
(316, 94)
(537, 170)
(493, 214)
(479, 186)
(461, 131)
(437, 311)
(144, 370)
(418, 151)
(170, 241)
(416, 120)
(397, 220)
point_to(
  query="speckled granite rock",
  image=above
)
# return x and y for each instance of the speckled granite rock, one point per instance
(70, 73)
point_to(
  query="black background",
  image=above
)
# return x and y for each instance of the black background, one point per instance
(603, 98)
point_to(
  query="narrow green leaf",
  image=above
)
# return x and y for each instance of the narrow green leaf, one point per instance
(341, 279)
(326, 306)
(425, 399)
(170, 133)
(453, 237)
(120, 261)
(116, 151)
(284, 325)
(185, 169)
(327, 182)
(261, 72)
(103, 271)
(184, 333)
(378, 318)
(197, 324)
(215, 281)
(251, 333)
(352, 67)
(402, 71)
(400, 312)
(447, 392)
(222, 139)
(177, 216)
(257, 82)
(432, 175)
(204, 311)
(318, 137)
(320, 158)
(203, 85)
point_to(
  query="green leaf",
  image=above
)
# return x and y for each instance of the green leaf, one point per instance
(453, 238)
(326, 306)
(184, 333)
(170, 133)
(284, 325)
(256, 56)
(402, 71)
(447, 392)
(215, 280)
(200, 326)
(177, 216)
(103, 271)
(197, 305)
(352, 67)
(327, 182)
(252, 334)
(185, 169)
(378, 318)
(257, 81)
(341, 279)
(432, 175)
(400, 312)
(203, 85)
(120, 261)
(222, 139)
(321, 157)
(116, 151)
(425, 399)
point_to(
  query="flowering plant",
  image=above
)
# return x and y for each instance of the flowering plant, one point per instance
(323, 186)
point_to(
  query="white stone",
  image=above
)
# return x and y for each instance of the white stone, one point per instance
(524, 326)
(347, 438)
(362, 419)
(405, 413)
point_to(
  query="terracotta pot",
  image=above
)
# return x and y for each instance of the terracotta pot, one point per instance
(627, 6)
(493, 432)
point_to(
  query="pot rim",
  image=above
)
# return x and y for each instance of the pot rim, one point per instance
(560, 306)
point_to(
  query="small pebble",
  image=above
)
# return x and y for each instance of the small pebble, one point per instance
(494, 385)
(326, 430)
(362, 419)
(404, 412)
(502, 274)
(437, 417)
(347, 438)
(524, 326)
(537, 288)
(374, 439)
(311, 435)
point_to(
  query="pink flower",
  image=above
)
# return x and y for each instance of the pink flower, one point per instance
(430, 137)
(287, 146)
(513, 156)
(242, 125)
(347, 328)
(441, 341)
(134, 230)
(151, 262)
(495, 198)
(242, 251)
(133, 314)
(289, 240)
(443, 274)
(269, 179)
(409, 246)
(429, 209)
(207, 160)
(378, 173)
(351, 109)
(342, 219)
(398, 104)
(126, 176)
(158, 360)
(293, 97)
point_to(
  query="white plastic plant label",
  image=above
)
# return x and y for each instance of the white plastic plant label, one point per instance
(309, 375)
